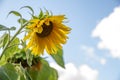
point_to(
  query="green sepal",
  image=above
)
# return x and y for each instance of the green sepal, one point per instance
(34, 17)
(41, 14)
(47, 12)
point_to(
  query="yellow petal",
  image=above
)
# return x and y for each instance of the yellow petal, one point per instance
(34, 20)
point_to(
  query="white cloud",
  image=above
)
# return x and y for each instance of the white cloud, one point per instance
(91, 55)
(103, 61)
(108, 30)
(89, 51)
(71, 72)
(87, 73)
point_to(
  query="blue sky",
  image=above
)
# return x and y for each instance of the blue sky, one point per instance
(82, 50)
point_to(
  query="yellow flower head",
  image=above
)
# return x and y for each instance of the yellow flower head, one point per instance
(47, 34)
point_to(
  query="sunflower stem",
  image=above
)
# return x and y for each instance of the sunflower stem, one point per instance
(7, 45)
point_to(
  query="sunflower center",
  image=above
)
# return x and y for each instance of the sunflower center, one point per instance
(47, 29)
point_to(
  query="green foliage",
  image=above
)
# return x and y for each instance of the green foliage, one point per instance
(22, 19)
(12, 72)
(4, 28)
(53, 74)
(8, 72)
(39, 70)
(10, 51)
(58, 57)
(29, 57)
(30, 8)
(3, 60)
(42, 71)
(12, 28)
(13, 48)
(4, 39)
(23, 74)
(15, 13)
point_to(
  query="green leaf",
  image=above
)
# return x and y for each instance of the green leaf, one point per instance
(53, 74)
(44, 73)
(3, 28)
(23, 20)
(29, 57)
(15, 13)
(58, 57)
(10, 51)
(4, 39)
(13, 48)
(23, 74)
(27, 75)
(3, 60)
(8, 72)
(30, 8)
(12, 28)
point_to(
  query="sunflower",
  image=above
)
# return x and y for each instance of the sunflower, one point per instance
(47, 34)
